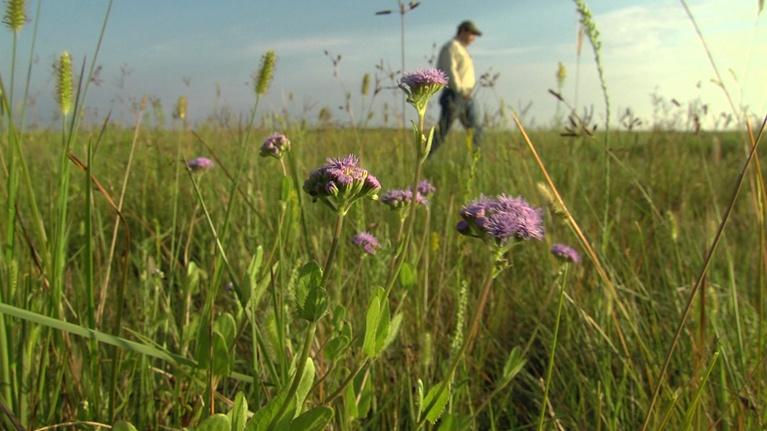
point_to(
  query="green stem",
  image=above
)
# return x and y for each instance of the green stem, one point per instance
(550, 367)
(399, 256)
(333, 247)
(466, 346)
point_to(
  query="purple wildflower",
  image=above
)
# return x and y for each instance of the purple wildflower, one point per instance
(341, 180)
(502, 219)
(399, 198)
(425, 188)
(275, 145)
(566, 253)
(421, 85)
(199, 164)
(367, 242)
(423, 77)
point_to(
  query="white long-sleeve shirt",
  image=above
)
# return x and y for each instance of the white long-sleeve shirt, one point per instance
(456, 62)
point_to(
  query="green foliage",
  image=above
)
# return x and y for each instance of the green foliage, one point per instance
(311, 296)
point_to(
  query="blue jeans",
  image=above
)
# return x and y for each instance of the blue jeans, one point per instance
(454, 106)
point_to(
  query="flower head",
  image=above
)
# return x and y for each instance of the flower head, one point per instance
(399, 198)
(501, 219)
(275, 145)
(339, 182)
(421, 85)
(199, 164)
(425, 188)
(367, 242)
(566, 253)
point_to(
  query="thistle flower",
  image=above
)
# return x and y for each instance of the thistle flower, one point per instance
(399, 198)
(15, 15)
(367, 242)
(421, 85)
(181, 105)
(566, 253)
(275, 145)
(340, 182)
(265, 72)
(199, 164)
(501, 219)
(64, 83)
(425, 188)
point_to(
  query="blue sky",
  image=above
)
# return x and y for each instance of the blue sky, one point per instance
(648, 46)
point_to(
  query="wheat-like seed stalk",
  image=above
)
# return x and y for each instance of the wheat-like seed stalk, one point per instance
(15, 15)
(265, 72)
(181, 105)
(64, 83)
(365, 84)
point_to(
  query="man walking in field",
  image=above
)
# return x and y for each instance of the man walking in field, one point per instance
(457, 99)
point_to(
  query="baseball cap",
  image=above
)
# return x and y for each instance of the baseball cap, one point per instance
(469, 26)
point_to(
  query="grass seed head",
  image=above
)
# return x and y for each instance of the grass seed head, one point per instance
(64, 83)
(265, 72)
(15, 15)
(181, 105)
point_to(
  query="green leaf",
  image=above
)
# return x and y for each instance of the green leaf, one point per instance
(286, 187)
(123, 426)
(454, 422)
(513, 365)
(217, 422)
(382, 332)
(305, 385)
(202, 348)
(433, 406)
(249, 286)
(222, 357)
(407, 276)
(311, 297)
(313, 420)
(350, 403)
(148, 349)
(371, 326)
(761, 7)
(239, 413)
(264, 416)
(392, 331)
(419, 398)
(226, 325)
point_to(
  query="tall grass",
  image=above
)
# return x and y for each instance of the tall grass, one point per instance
(136, 290)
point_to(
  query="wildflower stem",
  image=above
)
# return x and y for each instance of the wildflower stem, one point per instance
(550, 367)
(333, 247)
(399, 256)
(473, 330)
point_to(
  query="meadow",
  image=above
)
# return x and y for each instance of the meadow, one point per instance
(144, 288)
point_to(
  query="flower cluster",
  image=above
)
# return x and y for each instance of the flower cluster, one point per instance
(339, 182)
(425, 188)
(199, 164)
(501, 219)
(400, 198)
(275, 146)
(421, 85)
(566, 253)
(367, 242)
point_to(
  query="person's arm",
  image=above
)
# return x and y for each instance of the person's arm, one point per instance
(456, 80)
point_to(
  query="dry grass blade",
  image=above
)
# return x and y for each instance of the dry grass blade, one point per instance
(613, 295)
(703, 272)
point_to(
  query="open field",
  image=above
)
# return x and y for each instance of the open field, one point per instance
(668, 192)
